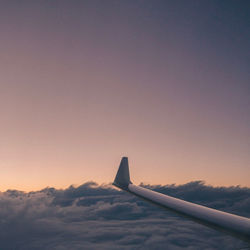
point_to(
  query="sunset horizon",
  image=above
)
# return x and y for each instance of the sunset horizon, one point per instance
(84, 83)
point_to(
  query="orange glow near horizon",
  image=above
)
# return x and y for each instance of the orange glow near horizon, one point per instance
(61, 176)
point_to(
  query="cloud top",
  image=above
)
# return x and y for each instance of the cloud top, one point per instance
(100, 217)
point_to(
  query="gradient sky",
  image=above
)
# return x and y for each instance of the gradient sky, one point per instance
(83, 83)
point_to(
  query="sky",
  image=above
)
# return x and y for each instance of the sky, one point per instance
(84, 83)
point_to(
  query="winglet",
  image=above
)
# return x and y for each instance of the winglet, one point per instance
(122, 179)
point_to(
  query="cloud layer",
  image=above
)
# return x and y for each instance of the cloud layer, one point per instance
(100, 217)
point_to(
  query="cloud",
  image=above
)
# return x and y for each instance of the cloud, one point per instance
(101, 217)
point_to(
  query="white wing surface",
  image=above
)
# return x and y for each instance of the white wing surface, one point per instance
(235, 225)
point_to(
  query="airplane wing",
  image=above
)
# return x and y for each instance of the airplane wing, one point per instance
(234, 225)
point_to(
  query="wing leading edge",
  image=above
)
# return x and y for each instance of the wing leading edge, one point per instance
(235, 225)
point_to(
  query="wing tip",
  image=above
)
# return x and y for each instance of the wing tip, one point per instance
(122, 179)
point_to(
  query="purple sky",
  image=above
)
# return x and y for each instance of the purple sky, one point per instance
(83, 83)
